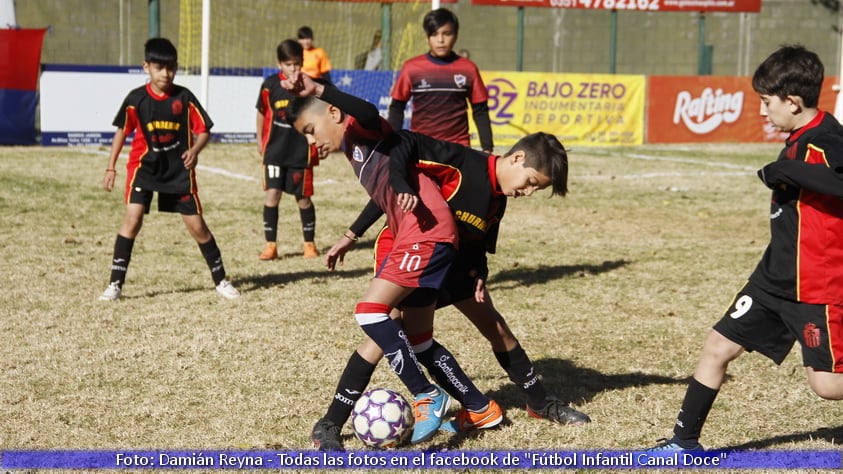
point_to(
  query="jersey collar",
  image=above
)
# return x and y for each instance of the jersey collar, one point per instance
(493, 175)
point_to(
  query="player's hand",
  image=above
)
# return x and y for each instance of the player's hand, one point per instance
(300, 84)
(479, 287)
(190, 158)
(407, 201)
(108, 180)
(337, 253)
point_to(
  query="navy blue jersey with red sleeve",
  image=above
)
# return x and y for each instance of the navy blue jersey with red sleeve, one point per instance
(164, 128)
(282, 145)
(441, 90)
(367, 143)
(804, 259)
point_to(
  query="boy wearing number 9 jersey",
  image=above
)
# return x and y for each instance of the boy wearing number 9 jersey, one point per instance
(796, 291)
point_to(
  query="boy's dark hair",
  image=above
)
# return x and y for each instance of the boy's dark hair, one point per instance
(545, 153)
(305, 32)
(160, 51)
(289, 50)
(791, 70)
(437, 19)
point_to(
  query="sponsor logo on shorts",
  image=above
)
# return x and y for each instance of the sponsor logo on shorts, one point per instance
(811, 335)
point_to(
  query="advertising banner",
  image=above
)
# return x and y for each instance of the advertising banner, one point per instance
(636, 5)
(688, 109)
(580, 109)
(20, 59)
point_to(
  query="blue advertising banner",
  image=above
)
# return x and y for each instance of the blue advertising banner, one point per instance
(515, 459)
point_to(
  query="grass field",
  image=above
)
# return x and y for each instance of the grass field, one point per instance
(610, 291)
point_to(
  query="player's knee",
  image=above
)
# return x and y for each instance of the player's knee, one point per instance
(826, 385)
(718, 348)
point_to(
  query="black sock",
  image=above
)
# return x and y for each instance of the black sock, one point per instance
(214, 260)
(522, 373)
(308, 223)
(120, 259)
(443, 367)
(353, 381)
(270, 223)
(695, 407)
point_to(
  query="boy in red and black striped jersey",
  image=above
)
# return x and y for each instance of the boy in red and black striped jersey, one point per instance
(441, 84)
(796, 290)
(170, 129)
(288, 159)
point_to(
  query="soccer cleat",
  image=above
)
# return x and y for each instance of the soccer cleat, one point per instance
(673, 445)
(466, 420)
(226, 289)
(112, 292)
(558, 412)
(310, 250)
(326, 436)
(429, 410)
(270, 252)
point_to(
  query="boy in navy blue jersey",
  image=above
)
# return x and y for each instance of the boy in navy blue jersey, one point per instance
(170, 128)
(288, 160)
(424, 244)
(795, 292)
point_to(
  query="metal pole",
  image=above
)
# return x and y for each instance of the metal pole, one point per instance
(519, 58)
(386, 36)
(206, 49)
(154, 19)
(613, 42)
(701, 44)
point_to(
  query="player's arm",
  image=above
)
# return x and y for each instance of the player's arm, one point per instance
(368, 216)
(259, 122)
(480, 112)
(111, 166)
(818, 178)
(365, 112)
(395, 113)
(191, 155)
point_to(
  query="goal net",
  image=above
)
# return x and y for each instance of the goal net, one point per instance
(243, 36)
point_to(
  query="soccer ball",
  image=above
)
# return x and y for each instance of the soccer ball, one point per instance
(382, 418)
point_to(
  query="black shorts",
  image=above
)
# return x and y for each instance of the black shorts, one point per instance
(770, 325)
(186, 204)
(295, 181)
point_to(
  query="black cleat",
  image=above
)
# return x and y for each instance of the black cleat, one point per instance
(326, 436)
(558, 412)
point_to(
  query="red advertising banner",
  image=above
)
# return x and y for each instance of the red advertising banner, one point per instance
(687, 109)
(636, 5)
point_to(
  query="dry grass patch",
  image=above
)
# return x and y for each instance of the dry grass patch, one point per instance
(610, 290)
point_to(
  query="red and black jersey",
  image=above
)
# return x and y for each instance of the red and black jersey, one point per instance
(804, 259)
(467, 180)
(441, 91)
(282, 145)
(164, 128)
